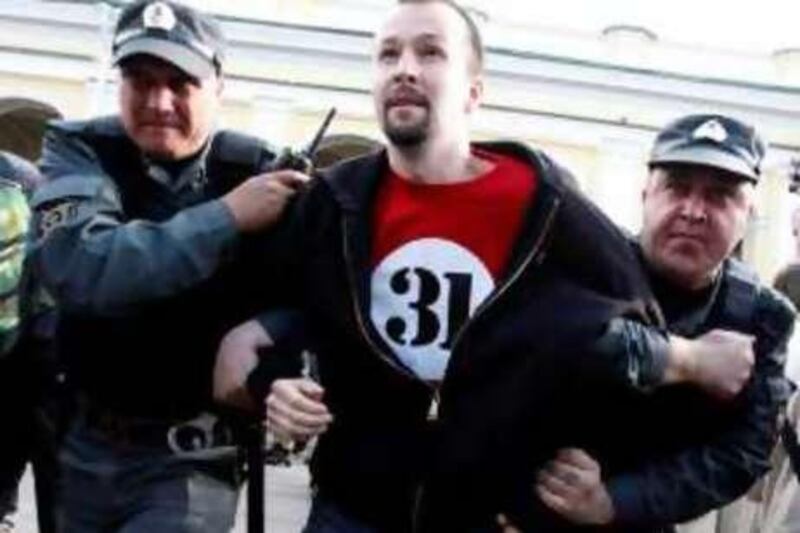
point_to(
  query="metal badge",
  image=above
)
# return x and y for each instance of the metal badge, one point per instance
(712, 130)
(56, 215)
(201, 433)
(159, 15)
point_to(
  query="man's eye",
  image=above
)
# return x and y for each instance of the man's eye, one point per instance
(722, 195)
(431, 51)
(139, 83)
(182, 85)
(387, 54)
(678, 188)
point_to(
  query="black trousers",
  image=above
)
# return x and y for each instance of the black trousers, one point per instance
(30, 412)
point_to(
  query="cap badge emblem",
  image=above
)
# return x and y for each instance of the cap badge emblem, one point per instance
(712, 130)
(158, 15)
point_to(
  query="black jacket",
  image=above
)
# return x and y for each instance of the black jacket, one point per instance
(571, 272)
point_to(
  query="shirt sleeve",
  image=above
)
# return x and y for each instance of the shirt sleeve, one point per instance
(93, 259)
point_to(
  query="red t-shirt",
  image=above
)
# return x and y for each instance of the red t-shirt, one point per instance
(437, 252)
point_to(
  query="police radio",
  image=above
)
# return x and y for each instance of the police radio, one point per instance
(302, 160)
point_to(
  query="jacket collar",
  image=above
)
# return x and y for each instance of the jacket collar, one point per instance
(354, 182)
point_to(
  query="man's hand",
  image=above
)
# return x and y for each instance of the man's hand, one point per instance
(295, 410)
(258, 202)
(236, 358)
(719, 361)
(571, 485)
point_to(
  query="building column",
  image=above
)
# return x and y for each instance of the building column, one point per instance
(768, 243)
(617, 185)
(101, 86)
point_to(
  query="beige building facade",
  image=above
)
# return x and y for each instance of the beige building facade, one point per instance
(592, 100)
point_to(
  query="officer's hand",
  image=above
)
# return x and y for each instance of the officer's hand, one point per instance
(719, 361)
(295, 410)
(258, 202)
(236, 358)
(572, 486)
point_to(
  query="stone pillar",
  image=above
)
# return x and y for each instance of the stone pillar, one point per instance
(101, 86)
(787, 65)
(768, 244)
(621, 174)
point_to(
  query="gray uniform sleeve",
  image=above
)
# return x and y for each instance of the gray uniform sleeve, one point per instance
(94, 260)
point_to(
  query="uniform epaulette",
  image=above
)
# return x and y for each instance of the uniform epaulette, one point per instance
(234, 147)
(108, 125)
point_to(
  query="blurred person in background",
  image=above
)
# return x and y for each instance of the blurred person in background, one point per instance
(29, 377)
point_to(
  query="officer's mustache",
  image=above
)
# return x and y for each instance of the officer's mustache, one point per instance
(167, 121)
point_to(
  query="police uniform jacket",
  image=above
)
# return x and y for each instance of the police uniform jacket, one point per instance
(677, 453)
(140, 264)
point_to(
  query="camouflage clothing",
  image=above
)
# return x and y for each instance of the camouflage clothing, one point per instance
(14, 215)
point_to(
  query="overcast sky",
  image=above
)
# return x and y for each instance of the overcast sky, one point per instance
(760, 26)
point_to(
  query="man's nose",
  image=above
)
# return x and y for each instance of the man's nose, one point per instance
(159, 99)
(693, 208)
(407, 67)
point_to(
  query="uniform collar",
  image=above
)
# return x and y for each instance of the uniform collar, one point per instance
(191, 172)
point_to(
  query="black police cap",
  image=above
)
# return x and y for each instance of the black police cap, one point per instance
(189, 39)
(711, 140)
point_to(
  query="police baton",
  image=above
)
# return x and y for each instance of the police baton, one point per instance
(254, 434)
(254, 449)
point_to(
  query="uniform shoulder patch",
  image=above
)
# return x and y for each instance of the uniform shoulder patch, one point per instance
(54, 215)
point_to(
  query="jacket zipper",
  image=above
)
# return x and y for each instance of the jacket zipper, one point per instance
(359, 316)
(433, 413)
(534, 251)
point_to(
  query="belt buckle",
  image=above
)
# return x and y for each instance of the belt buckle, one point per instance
(200, 433)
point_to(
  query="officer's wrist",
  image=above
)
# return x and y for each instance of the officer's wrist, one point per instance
(681, 366)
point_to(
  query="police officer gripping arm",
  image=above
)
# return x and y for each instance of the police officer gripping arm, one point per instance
(141, 234)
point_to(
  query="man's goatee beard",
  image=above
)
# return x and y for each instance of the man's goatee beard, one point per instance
(407, 137)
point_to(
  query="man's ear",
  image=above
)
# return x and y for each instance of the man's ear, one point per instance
(653, 175)
(647, 185)
(752, 208)
(752, 212)
(475, 97)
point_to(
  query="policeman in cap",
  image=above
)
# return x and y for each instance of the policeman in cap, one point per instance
(138, 235)
(691, 451)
